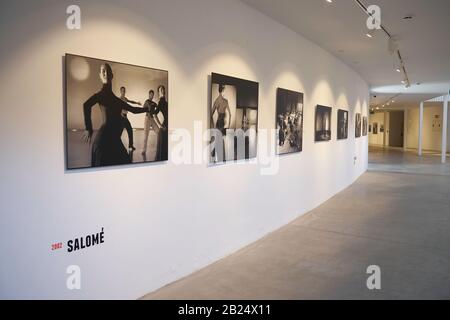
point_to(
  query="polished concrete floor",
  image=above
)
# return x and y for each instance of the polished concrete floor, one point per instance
(398, 221)
(396, 160)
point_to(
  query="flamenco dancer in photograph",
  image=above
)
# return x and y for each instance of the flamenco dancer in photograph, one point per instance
(126, 122)
(107, 148)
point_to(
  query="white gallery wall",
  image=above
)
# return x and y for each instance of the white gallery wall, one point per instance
(432, 127)
(379, 118)
(161, 221)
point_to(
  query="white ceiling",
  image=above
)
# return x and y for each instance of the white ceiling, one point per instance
(340, 28)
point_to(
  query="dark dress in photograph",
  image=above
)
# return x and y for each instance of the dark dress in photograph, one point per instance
(107, 148)
(162, 153)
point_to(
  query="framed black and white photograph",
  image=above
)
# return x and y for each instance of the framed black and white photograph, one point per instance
(375, 128)
(115, 113)
(358, 125)
(370, 128)
(381, 128)
(364, 126)
(233, 117)
(342, 125)
(289, 121)
(323, 123)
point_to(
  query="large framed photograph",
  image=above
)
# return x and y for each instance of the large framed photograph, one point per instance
(323, 123)
(364, 126)
(358, 125)
(342, 125)
(115, 114)
(233, 117)
(289, 121)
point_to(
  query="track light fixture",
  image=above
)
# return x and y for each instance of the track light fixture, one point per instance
(393, 47)
(386, 103)
(371, 33)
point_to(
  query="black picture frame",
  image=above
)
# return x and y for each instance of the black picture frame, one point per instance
(364, 126)
(358, 125)
(70, 87)
(342, 124)
(245, 103)
(375, 128)
(289, 119)
(322, 127)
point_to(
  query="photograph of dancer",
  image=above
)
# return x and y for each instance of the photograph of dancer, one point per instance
(151, 120)
(233, 115)
(289, 122)
(102, 126)
(342, 129)
(358, 125)
(323, 123)
(126, 122)
(163, 136)
(222, 107)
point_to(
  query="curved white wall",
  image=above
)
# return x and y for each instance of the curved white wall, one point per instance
(161, 221)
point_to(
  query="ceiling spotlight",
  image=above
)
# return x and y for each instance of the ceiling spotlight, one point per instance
(330, 1)
(398, 70)
(371, 33)
(378, 108)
